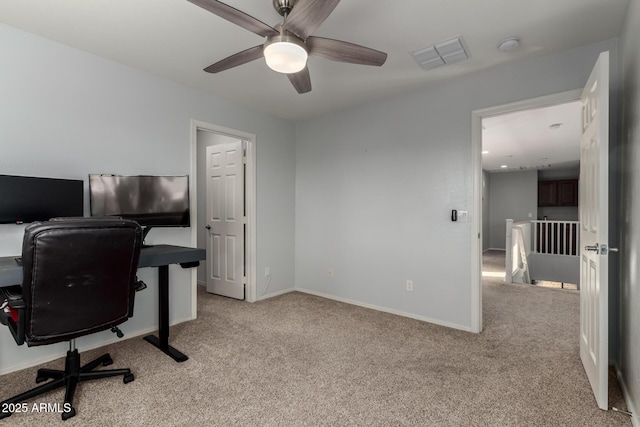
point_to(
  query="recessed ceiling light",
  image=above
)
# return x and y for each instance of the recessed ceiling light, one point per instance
(509, 44)
(555, 126)
(485, 152)
(504, 166)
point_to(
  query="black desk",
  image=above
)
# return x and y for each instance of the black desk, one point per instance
(160, 256)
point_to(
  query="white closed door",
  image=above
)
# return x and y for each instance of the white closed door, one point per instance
(594, 230)
(225, 220)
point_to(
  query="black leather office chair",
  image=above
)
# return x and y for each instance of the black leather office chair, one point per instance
(78, 278)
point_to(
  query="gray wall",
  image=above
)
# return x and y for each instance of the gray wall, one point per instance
(514, 195)
(629, 212)
(83, 114)
(375, 186)
(563, 173)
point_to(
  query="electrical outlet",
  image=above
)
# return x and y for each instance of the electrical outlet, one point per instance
(330, 272)
(267, 272)
(409, 285)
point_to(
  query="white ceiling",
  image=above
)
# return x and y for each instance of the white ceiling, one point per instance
(525, 140)
(176, 40)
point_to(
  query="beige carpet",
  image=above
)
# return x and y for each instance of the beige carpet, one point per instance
(301, 360)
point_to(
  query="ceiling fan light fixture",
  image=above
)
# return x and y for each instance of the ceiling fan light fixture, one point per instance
(285, 54)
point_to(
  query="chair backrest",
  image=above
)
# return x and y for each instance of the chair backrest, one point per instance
(78, 277)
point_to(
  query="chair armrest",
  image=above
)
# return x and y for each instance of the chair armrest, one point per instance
(13, 295)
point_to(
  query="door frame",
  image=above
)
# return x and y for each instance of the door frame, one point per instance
(250, 198)
(476, 172)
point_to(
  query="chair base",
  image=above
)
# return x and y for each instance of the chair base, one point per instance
(68, 378)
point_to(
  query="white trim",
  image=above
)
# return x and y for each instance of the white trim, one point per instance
(276, 294)
(476, 226)
(193, 190)
(635, 419)
(527, 104)
(476, 166)
(385, 309)
(250, 197)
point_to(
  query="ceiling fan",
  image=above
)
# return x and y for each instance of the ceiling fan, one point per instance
(288, 45)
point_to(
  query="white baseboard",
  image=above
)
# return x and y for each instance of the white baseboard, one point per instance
(628, 398)
(385, 310)
(262, 297)
(275, 294)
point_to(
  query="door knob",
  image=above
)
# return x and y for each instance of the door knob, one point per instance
(595, 248)
(208, 227)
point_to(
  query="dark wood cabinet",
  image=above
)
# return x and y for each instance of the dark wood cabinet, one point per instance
(568, 192)
(547, 193)
(558, 193)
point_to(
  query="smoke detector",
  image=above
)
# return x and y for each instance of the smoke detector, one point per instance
(509, 44)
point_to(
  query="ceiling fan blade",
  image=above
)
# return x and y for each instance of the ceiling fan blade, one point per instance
(301, 80)
(307, 15)
(237, 17)
(337, 50)
(239, 58)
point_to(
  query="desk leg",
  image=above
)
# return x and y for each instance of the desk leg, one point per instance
(162, 340)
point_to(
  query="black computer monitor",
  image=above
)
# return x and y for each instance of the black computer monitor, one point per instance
(152, 201)
(27, 199)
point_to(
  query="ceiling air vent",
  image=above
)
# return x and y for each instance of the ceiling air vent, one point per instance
(444, 53)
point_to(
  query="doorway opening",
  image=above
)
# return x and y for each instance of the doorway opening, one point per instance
(205, 135)
(477, 232)
(594, 221)
(531, 169)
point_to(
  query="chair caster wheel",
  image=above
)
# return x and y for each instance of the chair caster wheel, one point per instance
(107, 361)
(68, 414)
(128, 378)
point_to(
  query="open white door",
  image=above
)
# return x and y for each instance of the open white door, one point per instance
(225, 219)
(594, 230)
